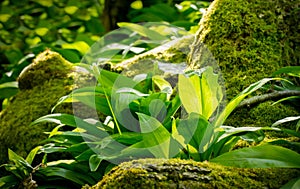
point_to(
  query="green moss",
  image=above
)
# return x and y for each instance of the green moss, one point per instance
(41, 84)
(46, 66)
(175, 173)
(249, 39)
(262, 115)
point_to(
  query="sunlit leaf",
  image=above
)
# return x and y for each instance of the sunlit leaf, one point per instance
(200, 94)
(30, 157)
(153, 35)
(81, 46)
(284, 120)
(290, 70)
(73, 121)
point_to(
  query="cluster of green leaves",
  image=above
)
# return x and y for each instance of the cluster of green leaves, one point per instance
(143, 119)
(130, 40)
(70, 28)
(29, 27)
(291, 83)
(184, 14)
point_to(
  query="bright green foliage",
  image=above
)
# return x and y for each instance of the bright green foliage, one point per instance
(201, 95)
(29, 27)
(184, 14)
(144, 122)
(24, 175)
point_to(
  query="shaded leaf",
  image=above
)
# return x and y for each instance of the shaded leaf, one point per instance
(265, 156)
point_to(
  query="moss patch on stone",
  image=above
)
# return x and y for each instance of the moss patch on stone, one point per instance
(262, 115)
(249, 39)
(176, 173)
(41, 84)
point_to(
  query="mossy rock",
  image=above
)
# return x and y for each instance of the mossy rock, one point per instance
(263, 115)
(41, 85)
(250, 40)
(176, 173)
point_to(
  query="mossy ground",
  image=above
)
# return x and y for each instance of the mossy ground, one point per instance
(176, 173)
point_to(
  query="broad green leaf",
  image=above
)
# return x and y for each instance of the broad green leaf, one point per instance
(30, 157)
(41, 31)
(121, 110)
(293, 184)
(200, 94)
(196, 131)
(156, 138)
(93, 97)
(79, 178)
(265, 156)
(172, 108)
(80, 46)
(143, 31)
(94, 162)
(285, 143)
(228, 136)
(284, 120)
(9, 181)
(238, 99)
(18, 160)
(73, 121)
(290, 70)
(238, 131)
(162, 84)
(69, 54)
(8, 89)
(71, 9)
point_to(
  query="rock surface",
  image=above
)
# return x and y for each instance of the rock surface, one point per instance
(175, 173)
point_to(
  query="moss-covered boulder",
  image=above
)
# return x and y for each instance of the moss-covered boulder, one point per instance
(175, 173)
(41, 84)
(250, 40)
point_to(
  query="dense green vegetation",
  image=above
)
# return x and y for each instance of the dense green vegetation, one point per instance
(70, 28)
(141, 116)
